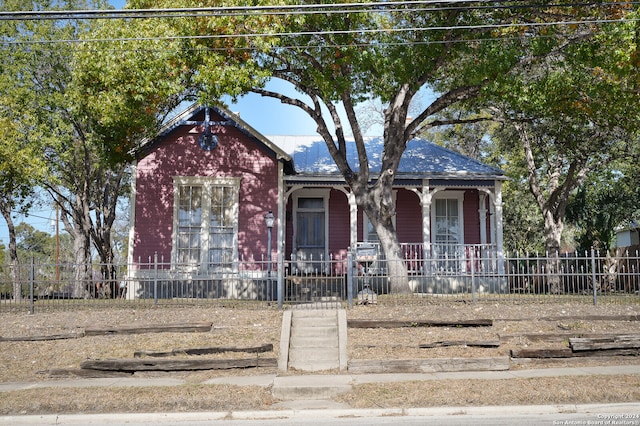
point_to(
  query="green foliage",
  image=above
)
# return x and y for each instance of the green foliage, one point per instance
(604, 202)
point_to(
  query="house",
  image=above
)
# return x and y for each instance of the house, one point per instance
(628, 235)
(200, 199)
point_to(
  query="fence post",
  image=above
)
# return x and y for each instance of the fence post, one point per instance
(593, 277)
(32, 277)
(473, 276)
(155, 278)
(350, 276)
(280, 277)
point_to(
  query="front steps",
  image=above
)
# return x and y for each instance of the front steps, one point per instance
(314, 340)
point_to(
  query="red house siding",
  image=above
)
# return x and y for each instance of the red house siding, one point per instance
(408, 217)
(408, 221)
(470, 208)
(178, 154)
(339, 224)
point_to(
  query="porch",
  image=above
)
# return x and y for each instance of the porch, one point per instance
(464, 271)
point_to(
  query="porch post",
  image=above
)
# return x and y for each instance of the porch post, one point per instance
(282, 197)
(498, 214)
(425, 200)
(353, 219)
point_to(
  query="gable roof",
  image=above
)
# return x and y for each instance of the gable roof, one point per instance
(422, 158)
(189, 115)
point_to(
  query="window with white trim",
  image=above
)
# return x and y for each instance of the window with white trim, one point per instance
(447, 223)
(205, 222)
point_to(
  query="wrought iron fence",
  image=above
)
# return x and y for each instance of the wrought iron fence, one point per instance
(471, 273)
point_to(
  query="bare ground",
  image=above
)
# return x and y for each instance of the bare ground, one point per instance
(29, 361)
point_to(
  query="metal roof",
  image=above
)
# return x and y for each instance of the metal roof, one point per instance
(422, 158)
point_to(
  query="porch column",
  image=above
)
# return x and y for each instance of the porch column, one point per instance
(353, 220)
(283, 195)
(425, 200)
(499, 237)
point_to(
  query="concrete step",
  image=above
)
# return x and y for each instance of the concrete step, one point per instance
(311, 322)
(314, 354)
(310, 387)
(326, 331)
(314, 313)
(314, 366)
(313, 342)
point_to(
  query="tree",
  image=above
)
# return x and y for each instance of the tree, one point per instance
(85, 118)
(568, 114)
(21, 168)
(42, 70)
(604, 202)
(124, 97)
(337, 57)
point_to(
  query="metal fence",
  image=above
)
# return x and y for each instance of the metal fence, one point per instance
(361, 275)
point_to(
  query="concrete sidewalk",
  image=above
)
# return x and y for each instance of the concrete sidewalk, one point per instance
(308, 396)
(320, 380)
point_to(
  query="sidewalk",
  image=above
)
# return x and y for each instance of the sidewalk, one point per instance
(313, 380)
(306, 402)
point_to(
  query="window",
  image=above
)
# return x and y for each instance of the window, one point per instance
(447, 238)
(447, 222)
(206, 217)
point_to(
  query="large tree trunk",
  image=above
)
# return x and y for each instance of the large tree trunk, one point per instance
(396, 267)
(553, 231)
(82, 285)
(78, 211)
(106, 200)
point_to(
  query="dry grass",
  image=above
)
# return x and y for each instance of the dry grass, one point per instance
(536, 391)
(25, 361)
(190, 397)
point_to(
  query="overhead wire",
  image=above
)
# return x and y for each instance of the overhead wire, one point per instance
(393, 6)
(331, 32)
(325, 8)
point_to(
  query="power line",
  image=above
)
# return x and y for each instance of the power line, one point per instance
(409, 6)
(330, 32)
(340, 8)
(332, 8)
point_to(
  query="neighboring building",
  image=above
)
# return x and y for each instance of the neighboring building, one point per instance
(629, 235)
(199, 207)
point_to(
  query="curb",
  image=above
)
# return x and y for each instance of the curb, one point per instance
(172, 418)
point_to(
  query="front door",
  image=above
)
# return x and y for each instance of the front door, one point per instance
(310, 233)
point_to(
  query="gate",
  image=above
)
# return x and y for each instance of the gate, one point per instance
(316, 282)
